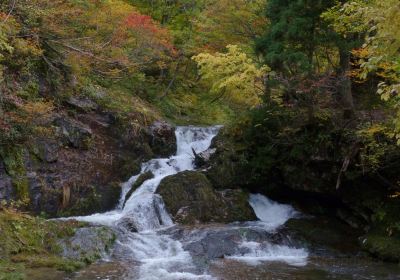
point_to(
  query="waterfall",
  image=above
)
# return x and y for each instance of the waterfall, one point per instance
(271, 215)
(144, 216)
(161, 257)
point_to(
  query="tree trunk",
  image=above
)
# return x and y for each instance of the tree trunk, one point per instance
(345, 84)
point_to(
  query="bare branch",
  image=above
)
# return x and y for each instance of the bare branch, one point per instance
(10, 12)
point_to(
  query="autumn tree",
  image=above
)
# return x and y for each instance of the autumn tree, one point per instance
(380, 53)
(226, 22)
(233, 76)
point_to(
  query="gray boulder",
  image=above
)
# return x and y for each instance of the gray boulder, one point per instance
(87, 244)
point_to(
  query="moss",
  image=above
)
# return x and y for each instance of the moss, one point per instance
(227, 164)
(35, 261)
(11, 271)
(190, 198)
(382, 246)
(83, 205)
(13, 158)
(27, 241)
(324, 232)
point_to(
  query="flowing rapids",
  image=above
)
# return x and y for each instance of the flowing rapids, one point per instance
(156, 254)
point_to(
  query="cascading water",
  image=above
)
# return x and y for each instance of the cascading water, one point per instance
(271, 216)
(159, 255)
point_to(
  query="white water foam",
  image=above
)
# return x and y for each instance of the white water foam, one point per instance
(257, 253)
(160, 256)
(271, 215)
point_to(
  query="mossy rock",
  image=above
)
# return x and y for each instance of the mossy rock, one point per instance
(190, 198)
(92, 199)
(226, 164)
(14, 163)
(382, 246)
(235, 206)
(324, 234)
(32, 242)
(87, 244)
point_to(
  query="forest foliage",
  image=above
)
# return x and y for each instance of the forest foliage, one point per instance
(331, 67)
(309, 90)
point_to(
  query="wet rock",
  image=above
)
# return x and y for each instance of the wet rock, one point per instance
(191, 191)
(323, 235)
(127, 224)
(109, 195)
(219, 241)
(91, 199)
(203, 158)
(236, 205)
(225, 165)
(74, 133)
(350, 219)
(139, 181)
(88, 244)
(83, 104)
(6, 188)
(162, 139)
(35, 192)
(190, 198)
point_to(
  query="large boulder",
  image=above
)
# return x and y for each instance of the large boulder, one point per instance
(190, 198)
(162, 139)
(220, 241)
(224, 163)
(87, 244)
(380, 245)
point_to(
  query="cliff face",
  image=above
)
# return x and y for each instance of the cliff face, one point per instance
(78, 167)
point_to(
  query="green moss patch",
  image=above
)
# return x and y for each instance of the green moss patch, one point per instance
(384, 247)
(27, 242)
(13, 158)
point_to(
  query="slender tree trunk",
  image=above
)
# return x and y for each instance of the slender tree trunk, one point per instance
(171, 83)
(345, 84)
(267, 88)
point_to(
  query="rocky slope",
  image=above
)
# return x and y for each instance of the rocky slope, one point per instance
(78, 167)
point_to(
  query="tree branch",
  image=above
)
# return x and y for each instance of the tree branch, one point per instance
(10, 12)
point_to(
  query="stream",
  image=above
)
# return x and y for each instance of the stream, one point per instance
(159, 249)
